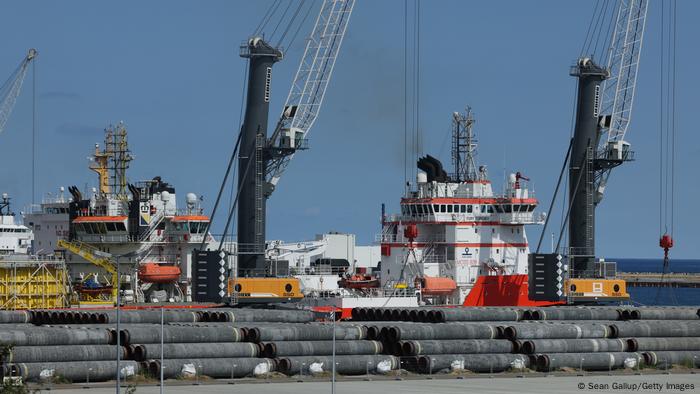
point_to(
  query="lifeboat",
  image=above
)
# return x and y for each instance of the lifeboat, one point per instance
(159, 273)
(436, 286)
(359, 282)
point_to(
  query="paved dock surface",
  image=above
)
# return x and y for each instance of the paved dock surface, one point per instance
(657, 383)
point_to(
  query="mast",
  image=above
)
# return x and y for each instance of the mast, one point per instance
(464, 147)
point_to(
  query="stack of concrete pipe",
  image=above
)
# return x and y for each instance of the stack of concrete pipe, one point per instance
(80, 345)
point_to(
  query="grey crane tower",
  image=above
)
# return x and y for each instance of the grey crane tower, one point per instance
(583, 164)
(251, 161)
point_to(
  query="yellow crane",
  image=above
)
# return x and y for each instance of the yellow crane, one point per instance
(88, 252)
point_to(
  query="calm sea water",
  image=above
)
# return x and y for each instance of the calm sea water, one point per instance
(664, 295)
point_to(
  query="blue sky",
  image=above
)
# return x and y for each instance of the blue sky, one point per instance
(171, 71)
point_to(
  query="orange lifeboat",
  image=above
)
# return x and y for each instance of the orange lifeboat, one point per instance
(436, 286)
(159, 273)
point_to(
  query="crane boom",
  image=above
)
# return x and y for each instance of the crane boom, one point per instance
(309, 87)
(619, 89)
(11, 88)
(623, 64)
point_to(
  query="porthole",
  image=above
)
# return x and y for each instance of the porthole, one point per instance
(288, 287)
(237, 287)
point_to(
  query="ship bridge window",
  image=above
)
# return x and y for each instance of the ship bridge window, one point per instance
(443, 209)
(121, 227)
(483, 209)
(462, 208)
(111, 227)
(449, 209)
(420, 209)
(197, 227)
(436, 208)
(470, 209)
(531, 207)
(490, 208)
(498, 208)
(507, 208)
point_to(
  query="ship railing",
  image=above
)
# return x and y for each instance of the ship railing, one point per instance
(107, 238)
(433, 259)
(600, 270)
(399, 238)
(199, 211)
(520, 218)
(245, 248)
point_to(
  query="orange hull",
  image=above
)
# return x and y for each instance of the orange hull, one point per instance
(502, 290)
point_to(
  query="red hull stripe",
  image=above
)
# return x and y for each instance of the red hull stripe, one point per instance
(459, 244)
(454, 200)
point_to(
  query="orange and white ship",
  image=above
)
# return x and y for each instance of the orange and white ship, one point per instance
(454, 242)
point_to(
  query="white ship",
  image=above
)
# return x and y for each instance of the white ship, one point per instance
(15, 238)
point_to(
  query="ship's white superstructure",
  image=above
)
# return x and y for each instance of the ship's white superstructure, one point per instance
(15, 238)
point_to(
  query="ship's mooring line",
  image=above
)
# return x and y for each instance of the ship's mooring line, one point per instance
(554, 198)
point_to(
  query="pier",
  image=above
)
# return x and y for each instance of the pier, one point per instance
(657, 279)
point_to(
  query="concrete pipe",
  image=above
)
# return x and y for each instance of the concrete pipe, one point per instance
(268, 315)
(666, 359)
(663, 344)
(575, 313)
(35, 336)
(456, 346)
(557, 331)
(588, 361)
(345, 365)
(442, 331)
(142, 352)
(150, 316)
(474, 314)
(665, 313)
(12, 317)
(76, 371)
(306, 332)
(180, 334)
(63, 353)
(212, 367)
(590, 345)
(655, 328)
(472, 362)
(320, 348)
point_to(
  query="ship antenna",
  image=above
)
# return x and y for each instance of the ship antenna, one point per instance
(464, 147)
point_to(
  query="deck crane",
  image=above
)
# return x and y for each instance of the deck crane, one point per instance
(262, 160)
(11, 88)
(603, 113)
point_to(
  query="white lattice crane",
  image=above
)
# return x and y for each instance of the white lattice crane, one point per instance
(619, 88)
(309, 87)
(11, 88)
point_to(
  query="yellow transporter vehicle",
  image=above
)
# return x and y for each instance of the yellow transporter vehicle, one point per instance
(263, 290)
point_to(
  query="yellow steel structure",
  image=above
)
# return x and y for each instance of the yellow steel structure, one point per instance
(88, 253)
(33, 283)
